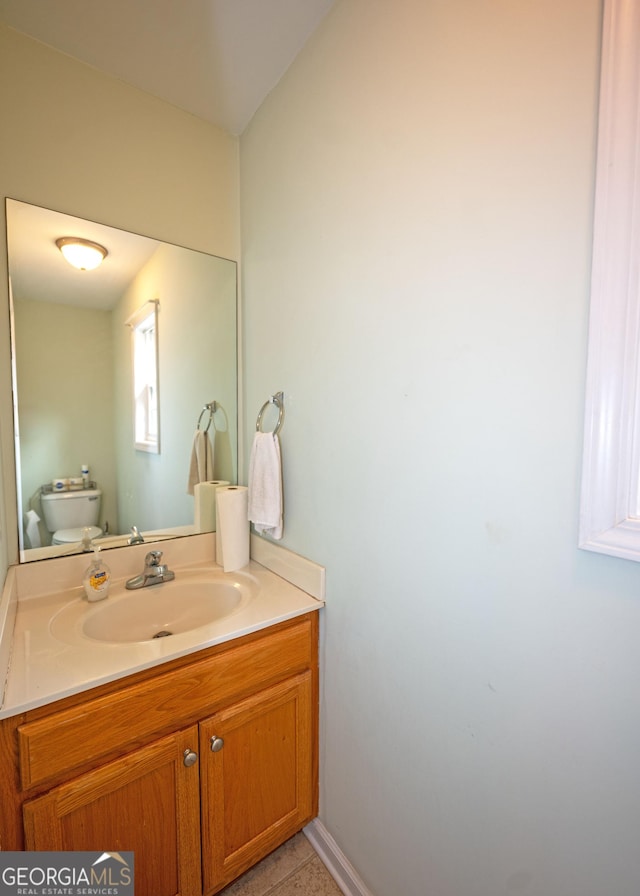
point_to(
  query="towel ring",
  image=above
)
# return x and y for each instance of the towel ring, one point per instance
(276, 399)
(212, 407)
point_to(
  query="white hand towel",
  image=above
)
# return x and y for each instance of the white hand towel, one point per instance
(265, 485)
(201, 464)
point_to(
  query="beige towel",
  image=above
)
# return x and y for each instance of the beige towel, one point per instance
(201, 465)
(265, 485)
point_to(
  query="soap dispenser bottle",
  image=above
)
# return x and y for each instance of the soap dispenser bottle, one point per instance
(97, 578)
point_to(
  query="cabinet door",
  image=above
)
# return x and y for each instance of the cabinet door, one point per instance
(257, 788)
(147, 801)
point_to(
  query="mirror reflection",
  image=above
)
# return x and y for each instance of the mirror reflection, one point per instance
(73, 380)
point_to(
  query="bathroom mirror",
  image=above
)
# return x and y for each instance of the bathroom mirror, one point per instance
(73, 373)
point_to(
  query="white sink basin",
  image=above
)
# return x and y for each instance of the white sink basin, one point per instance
(189, 602)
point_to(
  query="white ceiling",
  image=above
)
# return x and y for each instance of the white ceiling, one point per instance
(39, 272)
(217, 59)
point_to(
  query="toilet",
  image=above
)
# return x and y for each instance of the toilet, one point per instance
(67, 514)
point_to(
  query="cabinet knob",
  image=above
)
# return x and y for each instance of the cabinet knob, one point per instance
(217, 744)
(190, 758)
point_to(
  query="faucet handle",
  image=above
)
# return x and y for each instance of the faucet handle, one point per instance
(135, 537)
(153, 558)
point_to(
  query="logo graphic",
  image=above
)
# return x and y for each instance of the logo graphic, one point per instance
(66, 874)
(111, 855)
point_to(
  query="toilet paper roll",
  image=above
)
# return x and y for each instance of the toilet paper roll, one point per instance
(232, 503)
(204, 504)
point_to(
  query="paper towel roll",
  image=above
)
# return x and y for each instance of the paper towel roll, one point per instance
(204, 504)
(233, 526)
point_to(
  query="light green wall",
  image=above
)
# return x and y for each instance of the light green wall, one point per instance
(64, 361)
(416, 224)
(82, 143)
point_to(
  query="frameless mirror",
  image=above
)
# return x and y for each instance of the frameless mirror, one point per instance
(73, 375)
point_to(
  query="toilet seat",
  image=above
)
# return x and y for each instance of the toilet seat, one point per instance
(68, 536)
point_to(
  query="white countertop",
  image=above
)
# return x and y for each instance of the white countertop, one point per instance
(44, 667)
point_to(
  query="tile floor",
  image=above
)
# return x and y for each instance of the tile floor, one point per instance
(292, 870)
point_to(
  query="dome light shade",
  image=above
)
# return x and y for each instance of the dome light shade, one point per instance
(82, 254)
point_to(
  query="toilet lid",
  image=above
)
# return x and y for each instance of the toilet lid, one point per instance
(67, 536)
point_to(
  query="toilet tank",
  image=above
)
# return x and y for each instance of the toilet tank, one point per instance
(69, 510)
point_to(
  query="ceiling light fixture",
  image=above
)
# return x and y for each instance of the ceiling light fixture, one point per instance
(82, 254)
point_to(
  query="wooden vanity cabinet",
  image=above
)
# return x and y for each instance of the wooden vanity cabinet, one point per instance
(201, 766)
(147, 802)
(257, 789)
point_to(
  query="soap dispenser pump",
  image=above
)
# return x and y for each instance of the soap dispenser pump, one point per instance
(97, 578)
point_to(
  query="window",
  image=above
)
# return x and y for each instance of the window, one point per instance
(144, 328)
(610, 511)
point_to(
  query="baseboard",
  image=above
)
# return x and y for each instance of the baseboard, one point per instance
(335, 861)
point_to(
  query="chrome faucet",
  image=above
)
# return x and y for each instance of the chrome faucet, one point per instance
(135, 537)
(154, 572)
